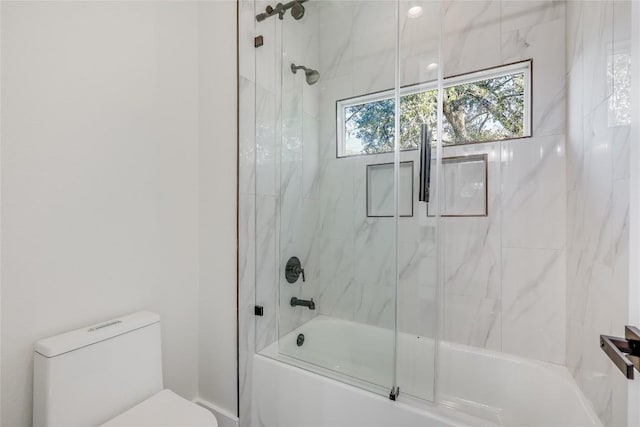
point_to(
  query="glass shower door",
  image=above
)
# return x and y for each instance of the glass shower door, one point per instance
(418, 292)
(337, 190)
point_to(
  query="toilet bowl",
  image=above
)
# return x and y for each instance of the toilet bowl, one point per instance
(109, 374)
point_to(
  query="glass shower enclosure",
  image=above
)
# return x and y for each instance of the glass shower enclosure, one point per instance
(347, 151)
(442, 199)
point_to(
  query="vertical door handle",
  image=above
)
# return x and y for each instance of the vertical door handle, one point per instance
(425, 164)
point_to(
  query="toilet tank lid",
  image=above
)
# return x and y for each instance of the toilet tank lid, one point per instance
(73, 340)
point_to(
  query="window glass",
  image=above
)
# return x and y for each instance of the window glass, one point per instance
(478, 107)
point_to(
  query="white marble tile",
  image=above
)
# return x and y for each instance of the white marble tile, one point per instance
(375, 73)
(265, 137)
(573, 40)
(373, 48)
(266, 57)
(575, 123)
(335, 49)
(597, 28)
(618, 296)
(471, 246)
(472, 263)
(338, 198)
(299, 40)
(522, 14)
(419, 40)
(417, 304)
(336, 287)
(545, 44)
(620, 151)
(247, 251)
(246, 137)
(290, 213)
(473, 321)
(597, 209)
(266, 278)
(533, 303)
(622, 22)
(330, 91)
(534, 193)
(245, 374)
(246, 208)
(598, 198)
(589, 228)
(471, 36)
(246, 33)
(310, 156)
(374, 251)
(291, 120)
(375, 304)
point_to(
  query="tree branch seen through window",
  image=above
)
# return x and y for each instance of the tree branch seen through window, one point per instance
(485, 110)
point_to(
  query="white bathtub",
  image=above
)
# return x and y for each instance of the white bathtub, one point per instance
(476, 387)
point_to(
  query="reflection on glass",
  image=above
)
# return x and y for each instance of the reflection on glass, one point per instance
(619, 84)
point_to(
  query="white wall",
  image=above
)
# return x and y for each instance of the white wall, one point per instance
(218, 190)
(0, 221)
(105, 193)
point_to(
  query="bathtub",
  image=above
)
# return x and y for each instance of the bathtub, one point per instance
(306, 385)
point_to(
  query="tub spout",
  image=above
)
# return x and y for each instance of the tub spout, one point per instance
(303, 302)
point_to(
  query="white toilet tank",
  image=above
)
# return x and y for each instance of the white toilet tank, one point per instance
(88, 376)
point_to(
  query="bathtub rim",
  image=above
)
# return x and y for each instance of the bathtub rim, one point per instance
(411, 404)
(451, 408)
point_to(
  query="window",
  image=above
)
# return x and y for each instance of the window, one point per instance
(484, 106)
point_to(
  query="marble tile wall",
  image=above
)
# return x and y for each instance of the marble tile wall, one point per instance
(357, 56)
(487, 303)
(298, 164)
(505, 274)
(247, 199)
(597, 54)
(277, 195)
(354, 255)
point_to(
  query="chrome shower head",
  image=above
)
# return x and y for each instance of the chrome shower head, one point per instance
(297, 10)
(312, 76)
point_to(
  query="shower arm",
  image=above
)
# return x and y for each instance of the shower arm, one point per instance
(295, 68)
(279, 10)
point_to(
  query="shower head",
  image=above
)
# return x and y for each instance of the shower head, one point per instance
(297, 10)
(312, 75)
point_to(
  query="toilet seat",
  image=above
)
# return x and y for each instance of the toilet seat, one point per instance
(164, 409)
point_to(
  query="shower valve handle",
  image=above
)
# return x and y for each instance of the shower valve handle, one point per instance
(294, 270)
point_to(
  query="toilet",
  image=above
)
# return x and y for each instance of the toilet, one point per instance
(109, 374)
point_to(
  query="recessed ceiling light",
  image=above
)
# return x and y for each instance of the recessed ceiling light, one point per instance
(432, 66)
(414, 12)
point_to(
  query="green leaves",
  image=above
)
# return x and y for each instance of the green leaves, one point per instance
(486, 110)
